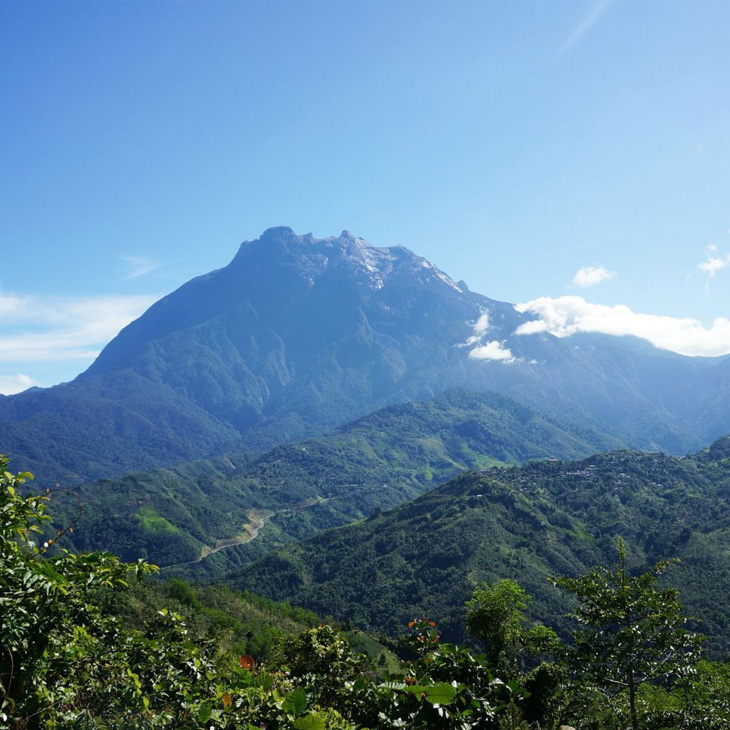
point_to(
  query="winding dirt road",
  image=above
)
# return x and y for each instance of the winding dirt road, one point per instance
(252, 529)
(257, 520)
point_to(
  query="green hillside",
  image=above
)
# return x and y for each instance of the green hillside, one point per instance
(527, 523)
(86, 645)
(173, 516)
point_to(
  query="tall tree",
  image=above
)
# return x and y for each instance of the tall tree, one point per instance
(633, 632)
(496, 617)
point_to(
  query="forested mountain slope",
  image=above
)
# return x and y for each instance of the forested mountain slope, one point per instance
(527, 523)
(171, 515)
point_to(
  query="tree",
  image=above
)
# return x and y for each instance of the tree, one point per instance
(64, 661)
(496, 617)
(633, 632)
(46, 603)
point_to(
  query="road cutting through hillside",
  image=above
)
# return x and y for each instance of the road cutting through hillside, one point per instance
(251, 532)
(252, 529)
(257, 520)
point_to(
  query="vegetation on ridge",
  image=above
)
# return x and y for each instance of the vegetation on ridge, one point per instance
(175, 515)
(535, 521)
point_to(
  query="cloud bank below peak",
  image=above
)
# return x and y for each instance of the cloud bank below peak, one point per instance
(570, 315)
(487, 350)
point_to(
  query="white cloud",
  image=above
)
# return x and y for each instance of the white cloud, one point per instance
(481, 327)
(592, 275)
(714, 263)
(62, 328)
(493, 351)
(139, 266)
(10, 384)
(586, 25)
(566, 316)
(10, 305)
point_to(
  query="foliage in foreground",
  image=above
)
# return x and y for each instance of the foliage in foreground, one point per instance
(67, 661)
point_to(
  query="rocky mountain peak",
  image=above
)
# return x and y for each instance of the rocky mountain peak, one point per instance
(309, 260)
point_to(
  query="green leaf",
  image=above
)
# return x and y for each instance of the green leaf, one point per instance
(204, 712)
(296, 702)
(309, 722)
(440, 693)
(264, 682)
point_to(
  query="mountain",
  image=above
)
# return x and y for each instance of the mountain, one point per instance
(527, 523)
(298, 335)
(177, 514)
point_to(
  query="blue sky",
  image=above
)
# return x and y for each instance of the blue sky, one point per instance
(513, 144)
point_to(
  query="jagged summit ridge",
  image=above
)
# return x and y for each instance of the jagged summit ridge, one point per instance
(314, 330)
(374, 265)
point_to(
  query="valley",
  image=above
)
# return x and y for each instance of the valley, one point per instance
(372, 464)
